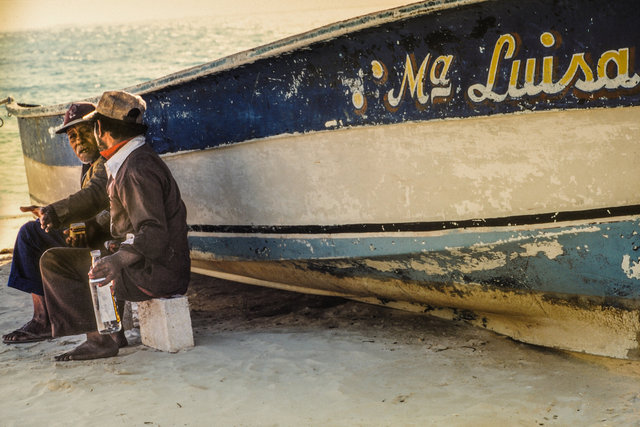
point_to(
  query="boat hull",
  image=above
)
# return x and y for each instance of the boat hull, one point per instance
(469, 159)
(593, 325)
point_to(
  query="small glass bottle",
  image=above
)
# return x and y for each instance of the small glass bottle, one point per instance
(104, 303)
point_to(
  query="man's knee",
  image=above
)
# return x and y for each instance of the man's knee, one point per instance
(28, 230)
(31, 237)
(69, 262)
(48, 259)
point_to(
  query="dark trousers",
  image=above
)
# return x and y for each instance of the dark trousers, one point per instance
(32, 241)
(67, 294)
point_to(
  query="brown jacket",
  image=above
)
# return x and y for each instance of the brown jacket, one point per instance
(145, 200)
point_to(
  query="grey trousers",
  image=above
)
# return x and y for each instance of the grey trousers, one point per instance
(66, 291)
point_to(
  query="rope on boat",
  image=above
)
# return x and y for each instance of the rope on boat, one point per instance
(7, 100)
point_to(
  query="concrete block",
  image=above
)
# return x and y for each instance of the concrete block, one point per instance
(127, 316)
(165, 323)
(130, 316)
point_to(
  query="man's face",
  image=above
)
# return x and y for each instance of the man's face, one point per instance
(83, 143)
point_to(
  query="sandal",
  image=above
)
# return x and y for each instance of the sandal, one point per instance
(24, 335)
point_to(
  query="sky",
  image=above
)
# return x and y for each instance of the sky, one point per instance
(18, 15)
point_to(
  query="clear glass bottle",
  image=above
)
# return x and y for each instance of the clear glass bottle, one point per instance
(104, 303)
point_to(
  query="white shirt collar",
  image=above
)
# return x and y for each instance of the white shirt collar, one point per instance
(113, 164)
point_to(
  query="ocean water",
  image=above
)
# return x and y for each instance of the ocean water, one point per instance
(65, 64)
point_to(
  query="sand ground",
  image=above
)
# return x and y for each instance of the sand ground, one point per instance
(265, 357)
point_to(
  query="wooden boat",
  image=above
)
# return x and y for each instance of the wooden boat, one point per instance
(470, 159)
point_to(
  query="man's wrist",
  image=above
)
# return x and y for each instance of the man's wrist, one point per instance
(126, 258)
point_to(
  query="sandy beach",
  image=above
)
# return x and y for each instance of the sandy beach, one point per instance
(265, 357)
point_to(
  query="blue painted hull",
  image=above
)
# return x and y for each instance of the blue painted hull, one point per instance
(578, 259)
(470, 156)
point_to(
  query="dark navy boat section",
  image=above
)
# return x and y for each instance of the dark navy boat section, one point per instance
(474, 60)
(446, 61)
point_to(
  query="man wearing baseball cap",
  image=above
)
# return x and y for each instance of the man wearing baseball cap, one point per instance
(145, 203)
(35, 237)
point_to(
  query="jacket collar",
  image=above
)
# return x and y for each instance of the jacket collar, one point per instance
(115, 162)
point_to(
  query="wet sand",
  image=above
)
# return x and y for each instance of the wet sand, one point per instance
(266, 357)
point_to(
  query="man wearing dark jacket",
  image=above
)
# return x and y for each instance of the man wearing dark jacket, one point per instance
(145, 202)
(35, 237)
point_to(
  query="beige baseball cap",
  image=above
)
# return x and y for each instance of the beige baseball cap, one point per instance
(120, 105)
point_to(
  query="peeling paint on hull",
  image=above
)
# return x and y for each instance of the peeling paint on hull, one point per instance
(580, 258)
(471, 159)
(595, 325)
(546, 285)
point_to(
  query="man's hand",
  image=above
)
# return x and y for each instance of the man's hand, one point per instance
(108, 267)
(76, 241)
(35, 210)
(48, 218)
(86, 239)
(47, 215)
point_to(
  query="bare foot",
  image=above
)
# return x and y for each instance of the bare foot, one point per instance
(95, 347)
(120, 338)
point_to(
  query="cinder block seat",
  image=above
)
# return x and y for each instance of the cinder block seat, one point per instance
(165, 323)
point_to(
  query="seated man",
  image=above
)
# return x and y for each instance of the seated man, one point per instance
(35, 237)
(145, 201)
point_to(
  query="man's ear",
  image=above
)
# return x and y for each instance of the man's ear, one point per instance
(97, 127)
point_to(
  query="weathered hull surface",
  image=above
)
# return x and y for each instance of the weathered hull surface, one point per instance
(471, 159)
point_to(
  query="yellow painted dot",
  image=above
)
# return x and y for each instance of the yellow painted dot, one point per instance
(377, 69)
(358, 100)
(547, 39)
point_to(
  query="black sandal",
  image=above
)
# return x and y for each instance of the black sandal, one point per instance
(23, 336)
